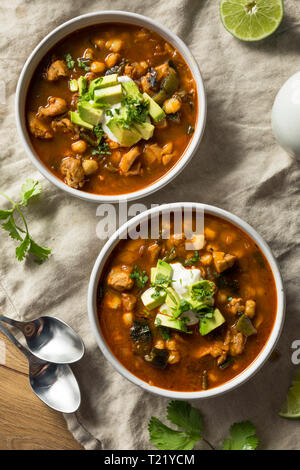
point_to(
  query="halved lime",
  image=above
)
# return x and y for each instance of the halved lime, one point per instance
(291, 407)
(251, 20)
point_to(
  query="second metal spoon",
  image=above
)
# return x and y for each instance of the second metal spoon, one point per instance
(50, 339)
(54, 384)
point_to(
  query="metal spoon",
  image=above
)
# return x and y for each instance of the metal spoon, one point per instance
(54, 384)
(50, 339)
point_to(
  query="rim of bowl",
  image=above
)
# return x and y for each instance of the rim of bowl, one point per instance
(64, 30)
(256, 364)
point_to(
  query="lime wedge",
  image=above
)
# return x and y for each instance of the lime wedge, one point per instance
(291, 407)
(251, 20)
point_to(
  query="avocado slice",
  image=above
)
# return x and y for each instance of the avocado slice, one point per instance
(162, 273)
(76, 119)
(165, 320)
(103, 82)
(152, 298)
(109, 95)
(155, 111)
(132, 90)
(82, 83)
(209, 324)
(126, 137)
(89, 114)
(172, 298)
(145, 129)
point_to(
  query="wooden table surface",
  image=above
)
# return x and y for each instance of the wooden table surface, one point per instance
(25, 422)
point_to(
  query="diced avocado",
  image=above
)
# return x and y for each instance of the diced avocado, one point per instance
(153, 274)
(102, 82)
(205, 287)
(73, 85)
(76, 119)
(172, 298)
(153, 298)
(165, 320)
(145, 129)
(155, 111)
(209, 324)
(126, 137)
(82, 83)
(163, 272)
(245, 326)
(109, 95)
(131, 89)
(89, 114)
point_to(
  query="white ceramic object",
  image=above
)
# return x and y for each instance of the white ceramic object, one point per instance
(286, 116)
(93, 19)
(252, 368)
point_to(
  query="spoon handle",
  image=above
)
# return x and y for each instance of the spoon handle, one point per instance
(15, 341)
(10, 321)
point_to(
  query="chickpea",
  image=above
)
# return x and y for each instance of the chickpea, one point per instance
(99, 43)
(112, 59)
(171, 345)
(167, 158)
(210, 234)
(167, 148)
(160, 344)
(88, 53)
(89, 166)
(172, 105)
(114, 45)
(79, 146)
(206, 259)
(127, 319)
(174, 357)
(250, 308)
(98, 67)
(222, 297)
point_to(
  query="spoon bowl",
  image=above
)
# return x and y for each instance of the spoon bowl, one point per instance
(50, 339)
(54, 384)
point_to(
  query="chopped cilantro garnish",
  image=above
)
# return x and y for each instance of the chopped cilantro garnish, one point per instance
(70, 61)
(84, 64)
(139, 276)
(193, 259)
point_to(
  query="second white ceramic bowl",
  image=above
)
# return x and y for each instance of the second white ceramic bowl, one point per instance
(93, 19)
(96, 275)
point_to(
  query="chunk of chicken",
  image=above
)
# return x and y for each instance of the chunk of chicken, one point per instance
(119, 278)
(152, 155)
(128, 302)
(57, 69)
(128, 159)
(237, 344)
(38, 128)
(65, 126)
(72, 170)
(223, 261)
(153, 251)
(54, 107)
(162, 71)
(112, 301)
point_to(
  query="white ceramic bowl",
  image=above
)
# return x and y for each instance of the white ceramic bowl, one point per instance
(244, 375)
(92, 19)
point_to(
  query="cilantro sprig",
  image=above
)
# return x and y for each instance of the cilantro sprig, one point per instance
(70, 61)
(190, 425)
(26, 245)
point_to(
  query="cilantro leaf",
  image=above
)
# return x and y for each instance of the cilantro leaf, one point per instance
(141, 278)
(22, 249)
(11, 228)
(40, 252)
(185, 416)
(4, 214)
(165, 438)
(242, 437)
(29, 189)
(70, 61)
(84, 64)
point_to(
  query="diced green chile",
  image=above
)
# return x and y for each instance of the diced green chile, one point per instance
(168, 86)
(158, 358)
(244, 325)
(141, 336)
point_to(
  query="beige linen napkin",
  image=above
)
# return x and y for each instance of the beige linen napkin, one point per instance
(238, 167)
